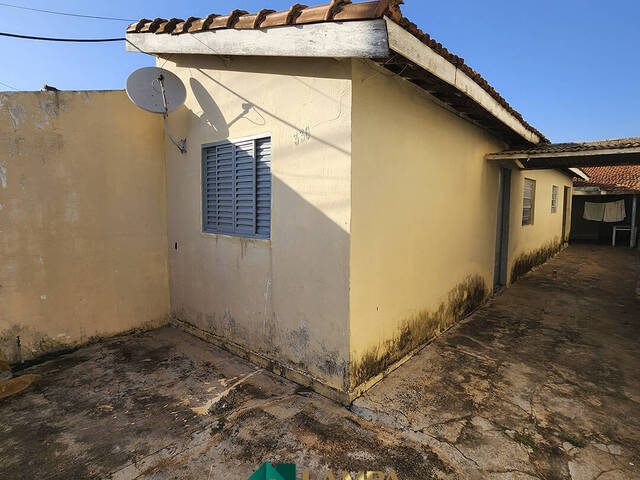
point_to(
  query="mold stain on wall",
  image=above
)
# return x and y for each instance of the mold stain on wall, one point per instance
(419, 329)
(528, 261)
(38, 346)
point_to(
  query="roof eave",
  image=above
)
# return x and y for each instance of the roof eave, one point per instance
(351, 39)
(410, 47)
(374, 39)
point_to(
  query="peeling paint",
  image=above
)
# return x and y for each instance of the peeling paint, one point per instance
(16, 113)
(50, 109)
(229, 323)
(3, 173)
(419, 329)
(72, 207)
(299, 339)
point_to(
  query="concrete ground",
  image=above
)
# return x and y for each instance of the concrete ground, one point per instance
(543, 382)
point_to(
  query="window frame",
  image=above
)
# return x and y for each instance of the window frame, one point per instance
(555, 195)
(203, 189)
(533, 201)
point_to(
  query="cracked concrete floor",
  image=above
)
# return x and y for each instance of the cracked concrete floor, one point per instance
(543, 382)
(166, 405)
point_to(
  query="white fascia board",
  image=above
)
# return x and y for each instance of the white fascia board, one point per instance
(407, 45)
(579, 173)
(360, 39)
(581, 153)
(587, 191)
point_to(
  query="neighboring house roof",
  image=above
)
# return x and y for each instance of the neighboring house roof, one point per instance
(576, 156)
(344, 11)
(612, 179)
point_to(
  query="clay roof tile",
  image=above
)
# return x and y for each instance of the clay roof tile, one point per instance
(183, 27)
(357, 11)
(253, 21)
(288, 17)
(202, 23)
(622, 178)
(168, 27)
(152, 26)
(135, 27)
(227, 21)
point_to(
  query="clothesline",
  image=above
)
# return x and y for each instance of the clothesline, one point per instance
(610, 212)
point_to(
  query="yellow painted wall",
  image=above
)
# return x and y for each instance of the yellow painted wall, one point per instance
(82, 219)
(424, 212)
(547, 227)
(286, 298)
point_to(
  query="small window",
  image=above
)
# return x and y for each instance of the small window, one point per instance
(554, 199)
(528, 201)
(236, 188)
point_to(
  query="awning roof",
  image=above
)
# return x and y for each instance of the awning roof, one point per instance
(616, 152)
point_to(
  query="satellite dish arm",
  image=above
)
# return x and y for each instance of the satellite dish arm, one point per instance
(181, 144)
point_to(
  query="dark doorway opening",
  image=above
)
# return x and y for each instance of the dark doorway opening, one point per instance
(565, 214)
(502, 232)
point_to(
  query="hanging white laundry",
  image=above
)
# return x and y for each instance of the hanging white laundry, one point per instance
(593, 211)
(614, 212)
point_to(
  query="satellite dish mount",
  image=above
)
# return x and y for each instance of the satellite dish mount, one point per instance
(181, 144)
(158, 91)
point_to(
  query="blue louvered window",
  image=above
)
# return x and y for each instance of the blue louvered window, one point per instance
(236, 187)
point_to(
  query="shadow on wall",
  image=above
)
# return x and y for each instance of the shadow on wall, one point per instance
(213, 115)
(254, 113)
(286, 299)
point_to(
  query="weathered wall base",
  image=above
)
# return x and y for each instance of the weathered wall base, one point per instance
(414, 336)
(272, 365)
(528, 261)
(38, 348)
(420, 329)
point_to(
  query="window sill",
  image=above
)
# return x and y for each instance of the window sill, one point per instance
(236, 238)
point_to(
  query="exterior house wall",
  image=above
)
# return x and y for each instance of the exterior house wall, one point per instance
(424, 210)
(285, 298)
(531, 245)
(82, 219)
(424, 213)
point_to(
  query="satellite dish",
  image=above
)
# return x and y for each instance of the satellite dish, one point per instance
(157, 90)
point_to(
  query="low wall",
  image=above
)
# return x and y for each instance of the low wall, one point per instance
(82, 219)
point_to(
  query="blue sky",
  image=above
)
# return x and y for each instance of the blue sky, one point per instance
(571, 67)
